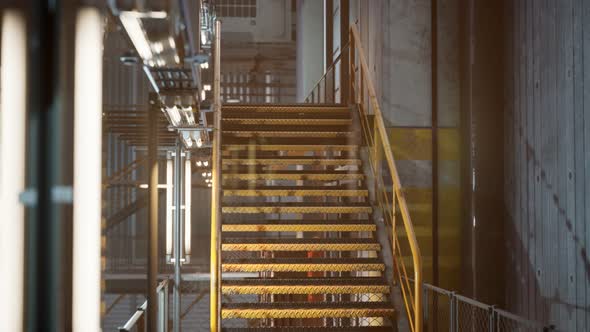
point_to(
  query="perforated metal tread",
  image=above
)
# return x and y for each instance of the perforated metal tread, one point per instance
(306, 310)
(290, 134)
(289, 147)
(285, 244)
(295, 121)
(285, 161)
(344, 114)
(309, 329)
(301, 264)
(294, 108)
(299, 226)
(296, 208)
(375, 285)
(295, 175)
(297, 191)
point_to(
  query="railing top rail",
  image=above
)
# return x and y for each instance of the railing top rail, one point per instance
(134, 318)
(397, 186)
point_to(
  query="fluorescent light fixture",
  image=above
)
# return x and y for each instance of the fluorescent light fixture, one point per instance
(150, 14)
(87, 171)
(13, 101)
(176, 58)
(158, 47)
(188, 114)
(146, 186)
(171, 42)
(204, 38)
(205, 65)
(136, 33)
(174, 115)
(199, 163)
(148, 73)
(203, 95)
(187, 206)
(169, 217)
(207, 87)
(205, 163)
(188, 140)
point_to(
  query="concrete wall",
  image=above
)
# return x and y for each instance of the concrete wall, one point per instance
(396, 37)
(547, 187)
(310, 45)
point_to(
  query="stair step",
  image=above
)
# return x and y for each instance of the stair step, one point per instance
(285, 244)
(301, 264)
(309, 329)
(289, 134)
(306, 286)
(289, 147)
(295, 175)
(291, 161)
(287, 122)
(300, 226)
(306, 310)
(296, 208)
(295, 191)
(298, 108)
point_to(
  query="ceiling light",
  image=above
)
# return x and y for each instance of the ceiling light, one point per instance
(176, 58)
(204, 174)
(171, 42)
(209, 185)
(205, 163)
(209, 174)
(188, 114)
(207, 87)
(199, 142)
(158, 47)
(188, 140)
(135, 31)
(174, 115)
(199, 163)
(205, 65)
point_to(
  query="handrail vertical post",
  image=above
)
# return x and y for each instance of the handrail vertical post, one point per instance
(215, 283)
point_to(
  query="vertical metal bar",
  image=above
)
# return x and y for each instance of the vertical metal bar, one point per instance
(215, 281)
(425, 308)
(452, 313)
(152, 245)
(492, 318)
(434, 137)
(344, 39)
(176, 238)
(350, 68)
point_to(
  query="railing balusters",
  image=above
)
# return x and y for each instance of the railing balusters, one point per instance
(215, 283)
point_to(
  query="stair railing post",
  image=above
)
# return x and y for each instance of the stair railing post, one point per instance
(215, 275)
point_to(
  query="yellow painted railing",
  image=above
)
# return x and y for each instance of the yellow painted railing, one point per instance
(215, 267)
(382, 163)
(361, 93)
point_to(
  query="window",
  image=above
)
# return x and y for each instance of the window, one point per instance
(236, 8)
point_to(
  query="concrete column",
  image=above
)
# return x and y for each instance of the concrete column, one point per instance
(310, 45)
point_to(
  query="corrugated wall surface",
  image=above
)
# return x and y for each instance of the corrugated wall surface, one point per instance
(547, 161)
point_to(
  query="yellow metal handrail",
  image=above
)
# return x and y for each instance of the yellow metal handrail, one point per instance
(362, 93)
(215, 267)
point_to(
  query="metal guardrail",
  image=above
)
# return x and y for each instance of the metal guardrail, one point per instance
(446, 310)
(389, 192)
(215, 263)
(137, 321)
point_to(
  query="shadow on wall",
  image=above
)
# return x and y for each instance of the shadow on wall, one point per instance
(526, 275)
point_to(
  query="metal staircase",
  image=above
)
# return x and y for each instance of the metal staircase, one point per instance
(296, 213)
